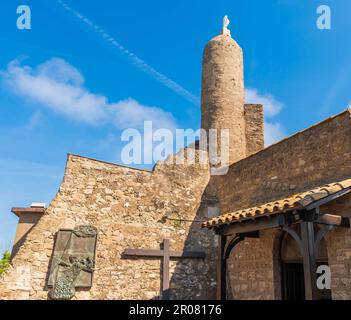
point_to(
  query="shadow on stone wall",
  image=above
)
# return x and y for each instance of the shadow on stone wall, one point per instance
(199, 281)
(190, 278)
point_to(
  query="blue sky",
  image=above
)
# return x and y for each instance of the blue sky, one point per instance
(64, 88)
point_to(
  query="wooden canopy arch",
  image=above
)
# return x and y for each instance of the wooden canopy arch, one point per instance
(302, 208)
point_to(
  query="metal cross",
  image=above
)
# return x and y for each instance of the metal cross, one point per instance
(165, 253)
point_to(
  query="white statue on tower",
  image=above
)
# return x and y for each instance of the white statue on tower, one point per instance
(225, 30)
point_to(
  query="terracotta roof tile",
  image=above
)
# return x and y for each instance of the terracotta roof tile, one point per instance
(293, 202)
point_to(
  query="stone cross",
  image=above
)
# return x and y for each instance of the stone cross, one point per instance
(165, 253)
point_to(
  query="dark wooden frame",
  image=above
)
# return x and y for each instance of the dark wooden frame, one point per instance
(308, 241)
(52, 271)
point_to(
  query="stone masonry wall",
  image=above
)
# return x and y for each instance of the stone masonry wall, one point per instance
(250, 269)
(310, 158)
(339, 249)
(254, 130)
(254, 264)
(222, 94)
(318, 155)
(128, 207)
(339, 259)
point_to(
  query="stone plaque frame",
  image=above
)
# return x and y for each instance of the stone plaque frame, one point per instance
(72, 243)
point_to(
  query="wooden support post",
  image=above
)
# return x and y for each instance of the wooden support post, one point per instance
(221, 269)
(165, 270)
(309, 259)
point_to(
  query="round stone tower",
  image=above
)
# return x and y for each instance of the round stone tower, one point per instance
(222, 98)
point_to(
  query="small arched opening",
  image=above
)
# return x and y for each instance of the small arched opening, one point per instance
(292, 272)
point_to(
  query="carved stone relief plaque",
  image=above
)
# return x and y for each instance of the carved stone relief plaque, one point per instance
(72, 262)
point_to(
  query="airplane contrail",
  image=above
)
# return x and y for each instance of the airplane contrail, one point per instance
(135, 60)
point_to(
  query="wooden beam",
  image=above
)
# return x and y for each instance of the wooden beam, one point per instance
(165, 270)
(269, 222)
(230, 244)
(253, 234)
(258, 224)
(143, 253)
(327, 199)
(187, 254)
(295, 236)
(159, 253)
(221, 269)
(333, 220)
(320, 235)
(309, 259)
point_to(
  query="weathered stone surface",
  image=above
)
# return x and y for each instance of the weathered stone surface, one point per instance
(311, 158)
(222, 100)
(130, 207)
(339, 258)
(251, 268)
(254, 130)
(170, 190)
(254, 265)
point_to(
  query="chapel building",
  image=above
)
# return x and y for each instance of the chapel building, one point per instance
(259, 231)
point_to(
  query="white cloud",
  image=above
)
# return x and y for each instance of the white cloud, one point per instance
(131, 114)
(273, 131)
(59, 86)
(271, 105)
